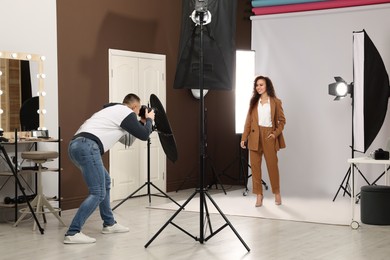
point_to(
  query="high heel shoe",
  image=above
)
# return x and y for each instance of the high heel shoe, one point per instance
(259, 201)
(278, 199)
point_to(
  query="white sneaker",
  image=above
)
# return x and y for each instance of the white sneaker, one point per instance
(79, 238)
(116, 228)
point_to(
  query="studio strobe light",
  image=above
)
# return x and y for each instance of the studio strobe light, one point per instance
(195, 66)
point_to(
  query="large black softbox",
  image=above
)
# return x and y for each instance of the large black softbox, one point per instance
(218, 47)
(371, 91)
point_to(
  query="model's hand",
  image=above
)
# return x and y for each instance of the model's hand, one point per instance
(150, 115)
(271, 136)
(243, 145)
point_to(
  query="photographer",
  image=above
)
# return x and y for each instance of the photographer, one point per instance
(115, 122)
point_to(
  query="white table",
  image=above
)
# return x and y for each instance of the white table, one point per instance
(363, 160)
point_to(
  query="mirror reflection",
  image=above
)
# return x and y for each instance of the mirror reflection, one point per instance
(21, 92)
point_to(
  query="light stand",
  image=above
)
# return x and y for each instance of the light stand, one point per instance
(200, 15)
(217, 180)
(148, 184)
(334, 90)
(243, 162)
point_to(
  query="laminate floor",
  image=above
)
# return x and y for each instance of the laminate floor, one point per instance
(267, 239)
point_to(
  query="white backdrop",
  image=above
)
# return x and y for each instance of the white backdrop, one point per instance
(301, 53)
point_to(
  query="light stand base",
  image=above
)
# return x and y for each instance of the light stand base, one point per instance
(217, 181)
(242, 163)
(203, 194)
(147, 184)
(345, 186)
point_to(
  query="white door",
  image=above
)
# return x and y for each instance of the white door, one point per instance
(142, 74)
(152, 81)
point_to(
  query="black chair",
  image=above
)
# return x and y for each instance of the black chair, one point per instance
(29, 117)
(374, 204)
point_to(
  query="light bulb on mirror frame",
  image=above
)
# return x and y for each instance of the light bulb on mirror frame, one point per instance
(1, 111)
(42, 93)
(41, 75)
(14, 55)
(28, 56)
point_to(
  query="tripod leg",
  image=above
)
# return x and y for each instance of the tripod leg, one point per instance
(346, 177)
(186, 178)
(170, 220)
(244, 174)
(264, 184)
(215, 176)
(218, 179)
(165, 195)
(380, 176)
(227, 223)
(128, 197)
(207, 217)
(149, 193)
(362, 175)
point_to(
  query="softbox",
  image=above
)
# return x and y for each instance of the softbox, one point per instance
(163, 128)
(218, 47)
(371, 91)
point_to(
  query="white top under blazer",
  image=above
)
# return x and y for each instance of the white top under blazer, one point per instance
(264, 112)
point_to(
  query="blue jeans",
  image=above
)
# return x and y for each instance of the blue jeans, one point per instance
(85, 154)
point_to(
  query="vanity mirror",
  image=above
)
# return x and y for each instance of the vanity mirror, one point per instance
(21, 91)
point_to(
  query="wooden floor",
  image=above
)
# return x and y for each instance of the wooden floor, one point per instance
(267, 239)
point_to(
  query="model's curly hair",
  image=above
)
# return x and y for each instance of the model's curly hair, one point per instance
(256, 96)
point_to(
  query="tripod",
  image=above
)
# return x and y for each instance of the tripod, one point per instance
(202, 191)
(242, 162)
(345, 186)
(209, 162)
(148, 184)
(380, 176)
(15, 174)
(216, 176)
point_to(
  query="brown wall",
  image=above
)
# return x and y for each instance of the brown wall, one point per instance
(86, 30)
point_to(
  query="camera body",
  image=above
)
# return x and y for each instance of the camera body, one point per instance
(143, 110)
(380, 154)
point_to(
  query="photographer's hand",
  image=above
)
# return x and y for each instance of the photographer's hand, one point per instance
(150, 115)
(142, 121)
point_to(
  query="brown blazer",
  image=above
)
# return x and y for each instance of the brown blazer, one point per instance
(251, 128)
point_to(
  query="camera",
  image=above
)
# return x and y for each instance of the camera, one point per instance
(143, 110)
(380, 154)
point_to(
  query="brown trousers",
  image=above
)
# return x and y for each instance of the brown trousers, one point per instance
(266, 147)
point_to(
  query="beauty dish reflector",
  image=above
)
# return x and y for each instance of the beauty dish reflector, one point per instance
(163, 128)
